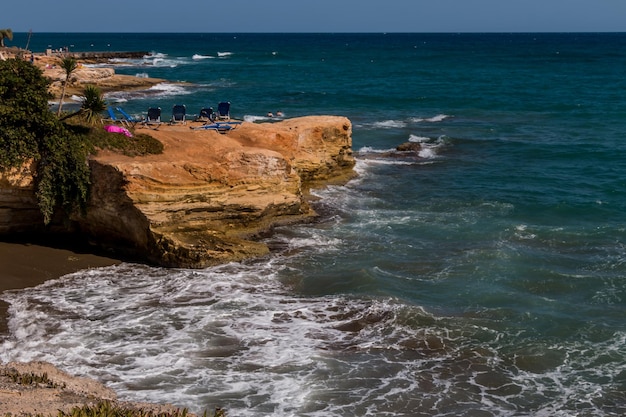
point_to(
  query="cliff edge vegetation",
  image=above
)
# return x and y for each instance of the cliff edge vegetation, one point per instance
(177, 197)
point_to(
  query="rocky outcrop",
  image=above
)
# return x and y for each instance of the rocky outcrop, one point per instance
(209, 195)
(18, 207)
(104, 78)
(48, 391)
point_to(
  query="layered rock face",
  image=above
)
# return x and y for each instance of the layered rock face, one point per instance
(18, 206)
(205, 199)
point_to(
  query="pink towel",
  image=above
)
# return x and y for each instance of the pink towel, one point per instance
(118, 129)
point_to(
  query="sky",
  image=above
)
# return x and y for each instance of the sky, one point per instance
(279, 16)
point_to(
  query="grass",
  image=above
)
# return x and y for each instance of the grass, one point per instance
(140, 144)
(31, 379)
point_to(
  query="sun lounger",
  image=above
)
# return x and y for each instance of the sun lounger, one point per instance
(206, 115)
(153, 120)
(178, 114)
(112, 119)
(218, 126)
(223, 110)
(130, 120)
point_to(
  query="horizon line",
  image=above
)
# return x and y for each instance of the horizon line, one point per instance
(324, 32)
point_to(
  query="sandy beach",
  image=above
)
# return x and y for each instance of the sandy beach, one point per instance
(27, 265)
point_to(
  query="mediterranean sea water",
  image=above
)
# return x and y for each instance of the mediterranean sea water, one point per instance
(482, 276)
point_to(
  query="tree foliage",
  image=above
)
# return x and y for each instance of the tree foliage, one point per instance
(5, 33)
(92, 105)
(30, 131)
(69, 65)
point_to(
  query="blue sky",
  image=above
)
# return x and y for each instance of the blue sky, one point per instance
(315, 16)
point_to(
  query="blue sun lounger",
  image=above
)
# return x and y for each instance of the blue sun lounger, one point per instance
(219, 126)
(206, 115)
(112, 118)
(129, 119)
(223, 110)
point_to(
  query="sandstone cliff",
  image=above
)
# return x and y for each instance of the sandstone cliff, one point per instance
(205, 199)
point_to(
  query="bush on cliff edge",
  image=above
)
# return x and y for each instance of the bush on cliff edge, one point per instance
(30, 131)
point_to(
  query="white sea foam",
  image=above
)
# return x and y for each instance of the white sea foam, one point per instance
(255, 118)
(427, 153)
(155, 55)
(199, 57)
(161, 60)
(390, 124)
(369, 149)
(429, 149)
(151, 333)
(224, 54)
(114, 99)
(160, 90)
(154, 59)
(167, 89)
(434, 119)
(237, 336)
(418, 139)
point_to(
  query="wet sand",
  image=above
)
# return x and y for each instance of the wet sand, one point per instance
(25, 265)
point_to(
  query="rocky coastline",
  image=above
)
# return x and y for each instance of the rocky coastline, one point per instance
(41, 389)
(87, 73)
(204, 201)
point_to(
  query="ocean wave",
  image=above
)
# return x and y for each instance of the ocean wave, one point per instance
(199, 57)
(253, 118)
(170, 89)
(399, 124)
(419, 139)
(161, 90)
(369, 149)
(256, 118)
(224, 54)
(390, 124)
(428, 149)
(234, 335)
(434, 119)
(155, 59)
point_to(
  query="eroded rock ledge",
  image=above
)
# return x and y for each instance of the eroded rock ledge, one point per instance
(65, 393)
(207, 197)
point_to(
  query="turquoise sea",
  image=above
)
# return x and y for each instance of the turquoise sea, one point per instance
(482, 276)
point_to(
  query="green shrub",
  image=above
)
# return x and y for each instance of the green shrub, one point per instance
(106, 409)
(30, 131)
(31, 378)
(139, 145)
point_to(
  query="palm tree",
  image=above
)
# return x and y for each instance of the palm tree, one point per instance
(92, 105)
(5, 33)
(69, 65)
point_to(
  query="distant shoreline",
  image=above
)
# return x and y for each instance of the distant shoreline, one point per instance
(104, 78)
